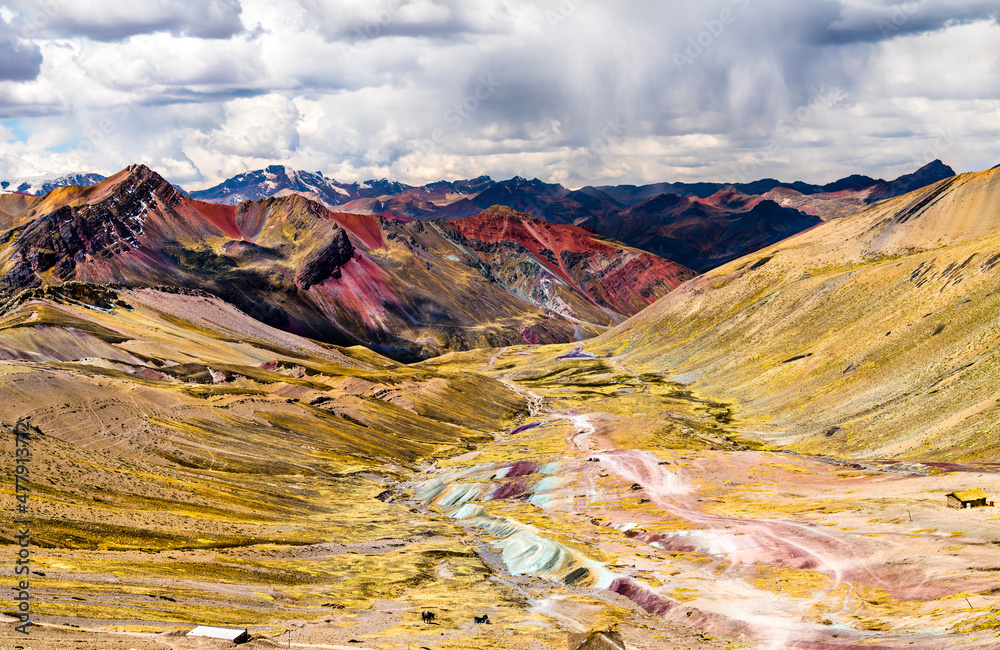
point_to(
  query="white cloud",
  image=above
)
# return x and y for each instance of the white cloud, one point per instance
(113, 21)
(257, 127)
(426, 89)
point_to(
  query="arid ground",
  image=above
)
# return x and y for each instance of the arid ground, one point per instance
(619, 501)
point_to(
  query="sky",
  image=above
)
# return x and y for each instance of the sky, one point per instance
(572, 91)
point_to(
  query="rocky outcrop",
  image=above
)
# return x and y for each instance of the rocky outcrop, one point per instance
(56, 242)
(71, 293)
(325, 262)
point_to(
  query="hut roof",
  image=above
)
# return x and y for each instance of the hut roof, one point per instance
(218, 633)
(969, 495)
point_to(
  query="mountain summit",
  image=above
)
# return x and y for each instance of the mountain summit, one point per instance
(929, 174)
(278, 180)
(403, 287)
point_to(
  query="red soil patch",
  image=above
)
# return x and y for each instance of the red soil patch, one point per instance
(364, 227)
(221, 217)
(649, 601)
(618, 286)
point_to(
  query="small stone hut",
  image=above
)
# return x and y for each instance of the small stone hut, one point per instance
(974, 498)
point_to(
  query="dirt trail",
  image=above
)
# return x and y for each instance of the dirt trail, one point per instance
(536, 403)
(740, 541)
(493, 359)
(787, 582)
(583, 438)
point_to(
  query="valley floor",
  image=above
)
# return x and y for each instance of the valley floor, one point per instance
(642, 487)
(622, 502)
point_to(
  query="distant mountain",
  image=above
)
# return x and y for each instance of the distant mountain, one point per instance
(703, 233)
(693, 231)
(471, 186)
(421, 202)
(932, 172)
(855, 193)
(278, 180)
(542, 200)
(39, 185)
(406, 288)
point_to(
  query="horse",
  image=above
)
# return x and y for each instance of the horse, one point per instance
(427, 616)
(482, 620)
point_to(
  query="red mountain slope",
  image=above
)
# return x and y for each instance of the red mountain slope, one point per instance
(406, 288)
(609, 274)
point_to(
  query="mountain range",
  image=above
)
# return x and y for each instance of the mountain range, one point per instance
(697, 225)
(407, 288)
(40, 185)
(277, 180)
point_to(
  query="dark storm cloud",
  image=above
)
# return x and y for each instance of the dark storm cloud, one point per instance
(426, 19)
(102, 21)
(879, 21)
(20, 60)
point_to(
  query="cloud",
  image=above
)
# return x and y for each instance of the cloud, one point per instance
(364, 20)
(172, 65)
(576, 91)
(259, 127)
(877, 21)
(20, 60)
(115, 21)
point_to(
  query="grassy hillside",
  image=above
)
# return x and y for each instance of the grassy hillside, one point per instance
(872, 336)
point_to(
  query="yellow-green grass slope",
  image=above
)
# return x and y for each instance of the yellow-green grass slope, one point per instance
(192, 465)
(874, 335)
